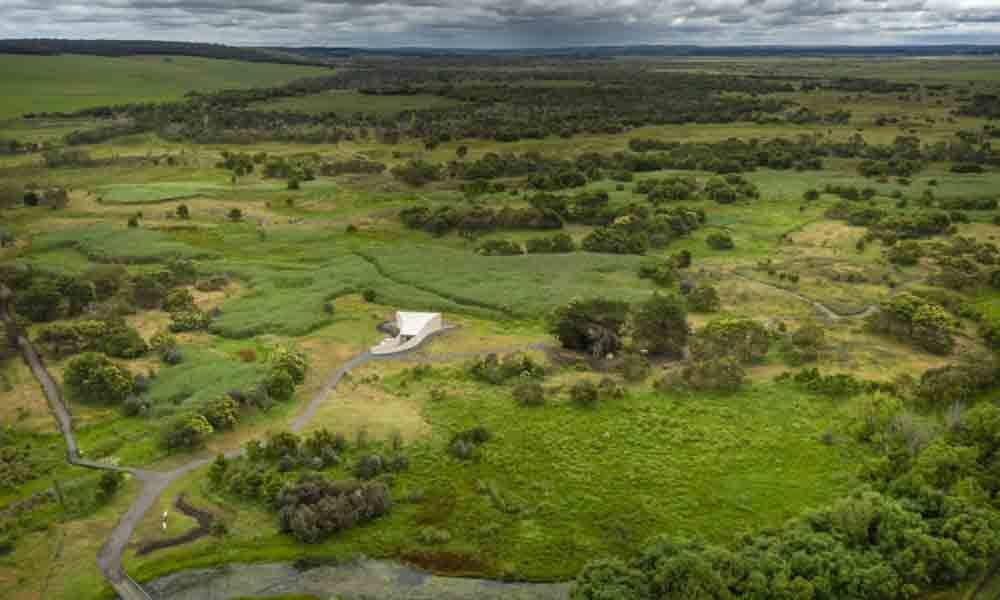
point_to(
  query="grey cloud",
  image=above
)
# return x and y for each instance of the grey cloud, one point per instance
(502, 23)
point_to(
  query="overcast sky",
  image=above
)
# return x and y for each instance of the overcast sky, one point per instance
(508, 23)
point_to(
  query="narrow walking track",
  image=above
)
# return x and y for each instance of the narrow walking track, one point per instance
(825, 311)
(109, 559)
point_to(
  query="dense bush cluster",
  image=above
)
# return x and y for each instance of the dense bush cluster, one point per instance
(315, 508)
(593, 326)
(113, 337)
(495, 370)
(93, 378)
(922, 322)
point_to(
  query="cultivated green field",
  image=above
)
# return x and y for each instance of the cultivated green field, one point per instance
(35, 84)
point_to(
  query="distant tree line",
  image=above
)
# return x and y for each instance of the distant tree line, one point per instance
(148, 47)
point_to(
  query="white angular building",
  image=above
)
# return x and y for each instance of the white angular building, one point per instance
(414, 328)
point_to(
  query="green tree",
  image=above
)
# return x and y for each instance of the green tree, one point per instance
(704, 299)
(186, 432)
(610, 580)
(594, 326)
(746, 340)
(183, 212)
(292, 361)
(108, 485)
(92, 377)
(279, 384)
(659, 325)
(41, 301)
(584, 393)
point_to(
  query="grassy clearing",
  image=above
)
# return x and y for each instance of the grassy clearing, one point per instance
(69, 82)
(58, 562)
(559, 485)
(108, 243)
(153, 192)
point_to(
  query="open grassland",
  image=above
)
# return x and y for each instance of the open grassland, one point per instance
(558, 484)
(68, 83)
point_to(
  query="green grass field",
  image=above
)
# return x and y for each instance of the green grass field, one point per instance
(559, 484)
(34, 84)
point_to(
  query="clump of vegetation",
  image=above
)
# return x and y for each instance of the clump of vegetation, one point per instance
(718, 240)
(922, 322)
(593, 326)
(315, 507)
(464, 444)
(495, 370)
(92, 377)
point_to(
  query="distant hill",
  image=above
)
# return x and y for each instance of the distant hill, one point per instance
(322, 55)
(48, 47)
(654, 50)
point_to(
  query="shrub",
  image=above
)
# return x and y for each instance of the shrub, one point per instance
(634, 367)
(803, 346)
(492, 369)
(92, 377)
(189, 320)
(186, 432)
(704, 299)
(222, 413)
(838, 385)
(608, 389)
(280, 384)
(121, 341)
(584, 393)
(594, 326)
(559, 243)
(615, 240)
(499, 248)
(62, 339)
(720, 241)
(369, 466)
(108, 485)
(745, 340)
(721, 374)
(529, 393)
(316, 508)
(663, 274)
(179, 300)
(148, 290)
(659, 325)
(464, 443)
(41, 301)
(290, 360)
(368, 294)
(957, 383)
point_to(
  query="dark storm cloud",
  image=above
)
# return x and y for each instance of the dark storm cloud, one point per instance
(505, 23)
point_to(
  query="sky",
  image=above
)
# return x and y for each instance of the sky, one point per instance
(509, 23)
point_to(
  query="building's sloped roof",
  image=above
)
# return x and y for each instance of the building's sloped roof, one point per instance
(411, 323)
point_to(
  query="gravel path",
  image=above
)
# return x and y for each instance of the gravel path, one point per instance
(109, 559)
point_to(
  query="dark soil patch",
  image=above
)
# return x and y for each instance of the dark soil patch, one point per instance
(452, 563)
(204, 518)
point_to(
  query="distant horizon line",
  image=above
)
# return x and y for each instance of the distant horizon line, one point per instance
(787, 45)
